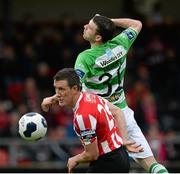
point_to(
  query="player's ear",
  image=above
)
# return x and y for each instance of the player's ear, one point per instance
(75, 88)
(98, 38)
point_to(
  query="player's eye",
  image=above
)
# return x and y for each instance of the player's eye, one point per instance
(59, 90)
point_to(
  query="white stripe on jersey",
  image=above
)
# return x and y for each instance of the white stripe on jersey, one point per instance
(105, 147)
(113, 72)
(104, 91)
(123, 66)
(118, 138)
(80, 122)
(93, 122)
(114, 142)
(120, 99)
(95, 79)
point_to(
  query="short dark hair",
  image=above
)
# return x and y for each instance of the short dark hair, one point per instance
(70, 75)
(105, 26)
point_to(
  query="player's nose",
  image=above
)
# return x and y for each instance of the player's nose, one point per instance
(85, 26)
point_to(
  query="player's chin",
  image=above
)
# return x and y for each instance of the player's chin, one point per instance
(84, 36)
(62, 103)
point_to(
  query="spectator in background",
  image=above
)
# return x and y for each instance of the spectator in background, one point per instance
(155, 139)
(141, 100)
(28, 61)
(31, 95)
(4, 121)
(43, 78)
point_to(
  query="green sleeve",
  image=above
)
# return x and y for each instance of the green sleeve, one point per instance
(126, 38)
(81, 67)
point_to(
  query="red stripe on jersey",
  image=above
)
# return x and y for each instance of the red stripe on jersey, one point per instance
(76, 127)
(93, 118)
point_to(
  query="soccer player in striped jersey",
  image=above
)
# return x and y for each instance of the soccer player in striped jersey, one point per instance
(102, 69)
(96, 122)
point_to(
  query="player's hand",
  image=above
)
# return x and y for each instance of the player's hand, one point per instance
(132, 146)
(48, 101)
(71, 164)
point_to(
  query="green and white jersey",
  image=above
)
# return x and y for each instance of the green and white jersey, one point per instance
(102, 68)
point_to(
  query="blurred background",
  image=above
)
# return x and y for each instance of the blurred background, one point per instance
(39, 37)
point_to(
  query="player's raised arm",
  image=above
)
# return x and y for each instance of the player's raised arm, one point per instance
(126, 23)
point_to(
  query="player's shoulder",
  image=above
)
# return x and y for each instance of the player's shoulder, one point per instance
(88, 102)
(88, 105)
(89, 98)
(85, 56)
(87, 51)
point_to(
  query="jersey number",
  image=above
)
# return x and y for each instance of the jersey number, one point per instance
(109, 85)
(114, 136)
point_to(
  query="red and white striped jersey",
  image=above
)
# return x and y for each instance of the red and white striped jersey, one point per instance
(93, 120)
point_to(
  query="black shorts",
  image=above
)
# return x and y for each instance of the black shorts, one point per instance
(116, 161)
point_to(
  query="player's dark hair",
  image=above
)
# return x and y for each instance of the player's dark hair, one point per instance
(105, 27)
(70, 75)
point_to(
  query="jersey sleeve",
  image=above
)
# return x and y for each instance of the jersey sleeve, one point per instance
(86, 129)
(81, 67)
(126, 38)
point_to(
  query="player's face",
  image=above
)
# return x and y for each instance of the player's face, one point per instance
(63, 92)
(90, 31)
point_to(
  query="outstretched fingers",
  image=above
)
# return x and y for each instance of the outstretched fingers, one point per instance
(134, 147)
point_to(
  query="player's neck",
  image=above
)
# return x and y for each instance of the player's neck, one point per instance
(96, 44)
(76, 100)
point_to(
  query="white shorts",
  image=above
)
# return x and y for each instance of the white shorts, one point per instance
(135, 133)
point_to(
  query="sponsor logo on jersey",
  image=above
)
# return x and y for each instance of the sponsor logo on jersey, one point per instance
(80, 73)
(114, 97)
(109, 53)
(129, 34)
(112, 59)
(110, 56)
(90, 98)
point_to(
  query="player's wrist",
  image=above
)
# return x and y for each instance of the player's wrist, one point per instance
(125, 141)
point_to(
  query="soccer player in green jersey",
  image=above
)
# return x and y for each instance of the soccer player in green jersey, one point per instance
(102, 68)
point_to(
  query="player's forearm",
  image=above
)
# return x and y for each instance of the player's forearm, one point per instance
(126, 23)
(119, 119)
(121, 124)
(85, 157)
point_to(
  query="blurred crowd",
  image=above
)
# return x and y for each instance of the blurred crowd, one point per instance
(34, 51)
